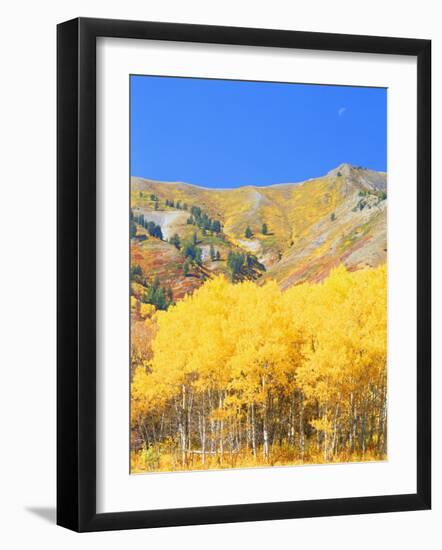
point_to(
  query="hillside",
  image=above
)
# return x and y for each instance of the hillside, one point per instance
(312, 227)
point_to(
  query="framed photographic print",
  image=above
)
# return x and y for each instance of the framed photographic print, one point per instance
(243, 274)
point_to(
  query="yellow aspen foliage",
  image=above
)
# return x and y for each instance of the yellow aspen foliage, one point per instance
(147, 310)
(242, 374)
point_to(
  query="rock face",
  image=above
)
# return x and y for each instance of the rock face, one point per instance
(313, 226)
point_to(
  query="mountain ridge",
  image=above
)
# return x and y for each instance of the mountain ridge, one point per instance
(343, 167)
(312, 226)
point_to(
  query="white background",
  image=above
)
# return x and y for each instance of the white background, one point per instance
(116, 489)
(27, 218)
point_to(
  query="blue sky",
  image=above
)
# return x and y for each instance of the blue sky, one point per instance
(221, 133)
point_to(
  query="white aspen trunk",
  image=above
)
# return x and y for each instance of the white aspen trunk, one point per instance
(238, 432)
(203, 433)
(372, 413)
(326, 435)
(318, 432)
(183, 428)
(384, 432)
(202, 430)
(189, 419)
(144, 434)
(380, 431)
(183, 443)
(253, 430)
(291, 432)
(162, 426)
(231, 437)
(363, 432)
(212, 427)
(265, 433)
(350, 422)
(203, 443)
(301, 426)
(221, 429)
(383, 425)
(248, 429)
(335, 423)
(355, 423)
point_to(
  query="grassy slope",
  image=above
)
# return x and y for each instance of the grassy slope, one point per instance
(304, 241)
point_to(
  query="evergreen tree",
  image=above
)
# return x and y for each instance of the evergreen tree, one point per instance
(198, 255)
(149, 296)
(175, 240)
(160, 298)
(136, 273)
(186, 267)
(264, 229)
(169, 295)
(157, 295)
(189, 250)
(212, 253)
(235, 262)
(248, 233)
(156, 282)
(196, 211)
(205, 222)
(192, 252)
(157, 232)
(133, 229)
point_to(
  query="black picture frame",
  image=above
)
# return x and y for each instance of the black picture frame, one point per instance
(76, 274)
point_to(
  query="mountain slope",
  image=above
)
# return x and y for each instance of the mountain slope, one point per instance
(312, 226)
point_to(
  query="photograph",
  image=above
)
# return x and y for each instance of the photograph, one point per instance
(231, 335)
(258, 274)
